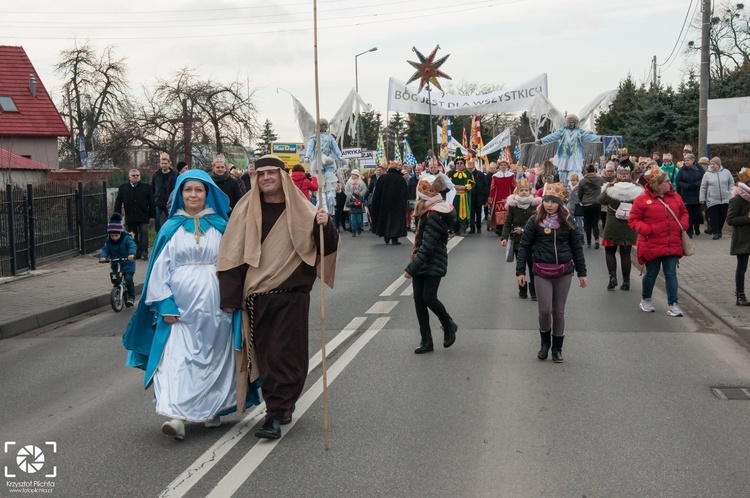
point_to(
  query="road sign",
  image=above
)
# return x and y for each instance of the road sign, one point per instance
(612, 143)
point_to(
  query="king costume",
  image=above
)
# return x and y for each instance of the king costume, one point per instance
(462, 200)
(190, 363)
(268, 263)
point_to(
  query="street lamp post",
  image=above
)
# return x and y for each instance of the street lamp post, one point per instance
(356, 87)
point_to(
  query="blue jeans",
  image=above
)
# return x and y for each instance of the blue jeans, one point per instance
(669, 263)
(355, 221)
(157, 221)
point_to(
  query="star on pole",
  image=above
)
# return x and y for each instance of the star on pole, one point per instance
(428, 69)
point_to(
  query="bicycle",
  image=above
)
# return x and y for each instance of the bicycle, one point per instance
(119, 293)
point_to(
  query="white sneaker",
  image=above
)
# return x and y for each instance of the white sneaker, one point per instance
(647, 306)
(174, 428)
(674, 310)
(213, 422)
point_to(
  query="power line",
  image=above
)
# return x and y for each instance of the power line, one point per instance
(677, 42)
(697, 4)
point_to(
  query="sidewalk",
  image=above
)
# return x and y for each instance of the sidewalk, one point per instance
(55, 292)
(68, 288)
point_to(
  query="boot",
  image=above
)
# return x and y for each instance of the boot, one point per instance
(741, 299)
(612, 280)
(557, 342)
(546, 343)
(426, 345)
(449, 333)
(522, 291)
(625, 285)
(532, 290)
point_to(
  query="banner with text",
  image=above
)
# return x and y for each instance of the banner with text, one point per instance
(405, 98)
(497, 143)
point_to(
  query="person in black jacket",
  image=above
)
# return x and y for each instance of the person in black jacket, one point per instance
(554, 242)
(221, 177)
(479, 195)
(689, 179)
(160, 189)
(429, 260)
(388, 206)
(138, 203)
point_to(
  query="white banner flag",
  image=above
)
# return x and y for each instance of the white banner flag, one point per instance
(405, 98)
(497, 143)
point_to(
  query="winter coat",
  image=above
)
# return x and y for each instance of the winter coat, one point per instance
(481, 190)
(716, 187)
(517, 217)
(555, 246)
(572, 198)
(589, 189)
(429, 257)
(306, 185)
(137, 202)
(738, 218)
(689, 183)
(388, 206)
(229, 186)
(671, 171)
(659, 234)
(616, 230)
(123, 248)
(349, 190)
(160, 186)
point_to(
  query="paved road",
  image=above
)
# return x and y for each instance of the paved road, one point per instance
(629, 413)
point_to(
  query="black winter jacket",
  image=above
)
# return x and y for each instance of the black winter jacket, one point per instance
(689, 183)
(430, 255)
(137, 201)
(229, 186)
(160, 186)
(556, 247)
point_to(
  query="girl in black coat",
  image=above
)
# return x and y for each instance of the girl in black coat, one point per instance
(429, 259)
(554, 242)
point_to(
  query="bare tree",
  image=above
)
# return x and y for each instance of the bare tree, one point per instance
(729, 39)
(94, 92)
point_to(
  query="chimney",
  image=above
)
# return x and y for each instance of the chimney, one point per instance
(32, 85)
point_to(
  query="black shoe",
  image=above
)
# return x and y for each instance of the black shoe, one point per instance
(472, 232)
(144, 257)
(533, 297)
(479, 230)
(716, 236)
(271, 429)
(612, 281)
(625, 285)
(742, 300)
(395, 242)
(697, 232)
(354, 234)
(557, 342)
(359, 232)
(426, 345)
(596, 245)
(522, 291)
(707, 231)
(129, 303)
(387, 240)
(449, 333)
(286, 421)
(546, 343)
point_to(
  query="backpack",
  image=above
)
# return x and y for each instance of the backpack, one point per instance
(623, 210)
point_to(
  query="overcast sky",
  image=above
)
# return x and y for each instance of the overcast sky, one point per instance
(585, 46)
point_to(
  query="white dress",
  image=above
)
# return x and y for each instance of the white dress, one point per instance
(195, 378)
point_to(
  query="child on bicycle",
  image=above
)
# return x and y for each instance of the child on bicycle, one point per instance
(120, 244)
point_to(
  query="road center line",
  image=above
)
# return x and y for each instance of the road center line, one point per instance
(232, 481)
(200, 467)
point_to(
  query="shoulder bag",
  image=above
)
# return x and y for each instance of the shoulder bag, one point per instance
(687, 245)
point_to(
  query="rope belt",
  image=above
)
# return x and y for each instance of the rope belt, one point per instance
(250, 303)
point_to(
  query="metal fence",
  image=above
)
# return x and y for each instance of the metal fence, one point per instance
(50, 221)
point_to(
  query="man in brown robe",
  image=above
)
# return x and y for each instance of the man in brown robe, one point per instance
(268, 262)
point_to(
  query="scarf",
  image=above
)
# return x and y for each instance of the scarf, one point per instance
(524, 202)
(551, 221)
(220, 178)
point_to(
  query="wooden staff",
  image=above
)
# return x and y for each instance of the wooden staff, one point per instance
(321, 203)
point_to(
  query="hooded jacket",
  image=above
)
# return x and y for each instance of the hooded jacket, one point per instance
(659, 234)
(716, 187)
(589, 189)
(304, 184)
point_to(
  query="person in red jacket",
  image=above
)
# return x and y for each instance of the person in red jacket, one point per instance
(659, 235)
(304, 180)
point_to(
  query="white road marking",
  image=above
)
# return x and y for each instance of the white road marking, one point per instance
(408, 291)
(253, 458)
(393, 287)
(381, 307)
(199, 468)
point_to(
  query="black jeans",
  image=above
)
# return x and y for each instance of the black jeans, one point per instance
(140, 236)
(739, 274)
(425, 297)
(591, 215)
(475, 216)
(717, 215)
(695, 217)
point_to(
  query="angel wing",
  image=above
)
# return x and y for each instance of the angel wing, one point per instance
(304, 119)
(347, 116)
(600, 103)
(541, 110)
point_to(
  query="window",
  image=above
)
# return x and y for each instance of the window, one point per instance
(7, 104)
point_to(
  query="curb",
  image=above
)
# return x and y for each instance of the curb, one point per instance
(730, 321)
(27, 323)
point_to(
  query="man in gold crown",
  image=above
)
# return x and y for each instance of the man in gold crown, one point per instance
(463, 182)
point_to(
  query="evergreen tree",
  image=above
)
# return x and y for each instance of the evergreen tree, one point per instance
(418, 133)
(267, 137)
(393, 135)
(369, 124)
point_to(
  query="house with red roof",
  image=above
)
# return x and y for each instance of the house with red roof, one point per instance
(30, 123)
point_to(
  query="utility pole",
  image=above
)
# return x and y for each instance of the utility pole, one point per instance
(655, 79)
(705, 79)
